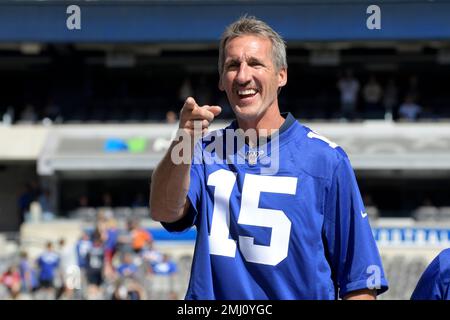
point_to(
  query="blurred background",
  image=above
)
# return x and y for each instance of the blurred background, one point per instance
(89, 99)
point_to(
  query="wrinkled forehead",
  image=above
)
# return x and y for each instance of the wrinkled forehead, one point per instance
(248, 46)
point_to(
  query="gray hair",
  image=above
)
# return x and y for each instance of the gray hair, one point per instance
(252, 26)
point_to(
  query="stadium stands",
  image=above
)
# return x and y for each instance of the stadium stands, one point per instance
(82, 117)
(403, 273)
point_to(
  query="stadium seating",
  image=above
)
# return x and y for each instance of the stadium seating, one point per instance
(403, 273)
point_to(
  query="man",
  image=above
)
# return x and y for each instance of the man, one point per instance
(48, 263)
(349, 89)
(296, 232)
(434, 284)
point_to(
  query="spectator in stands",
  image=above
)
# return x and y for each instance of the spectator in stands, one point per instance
(413, 90)
(48, 263)
(101, 224)
(94, 268)
(171, 117)
(82, 248)
(8, 116)
(135, 290)
(28, 275)
(434, 284)
(48, 212)
(372, 94)
(67, 262)
(11, 280)
(127, 268)
(120, 291)
(348, 86)
(110, 246)
(371, 208)
(128, 289)
(83, 201)
(52, 112)
(139, 236)
(165, 267)
(24, 201)
(426, 211)
(409, 110)
(84, 209)
(151, 256)
(185, 90)
(107, 201)
(172, 295)
(28, 114)
(390, 99)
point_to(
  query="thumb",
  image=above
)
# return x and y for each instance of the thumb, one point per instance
(216, 110)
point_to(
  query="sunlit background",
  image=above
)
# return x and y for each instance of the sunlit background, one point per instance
(89, 99)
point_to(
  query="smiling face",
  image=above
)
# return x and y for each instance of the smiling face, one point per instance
(250, 78)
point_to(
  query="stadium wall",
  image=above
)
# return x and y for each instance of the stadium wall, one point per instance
(166, 21)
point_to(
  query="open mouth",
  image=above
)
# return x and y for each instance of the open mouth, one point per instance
(247, 93)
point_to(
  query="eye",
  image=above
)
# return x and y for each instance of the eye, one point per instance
(231, 66)
(256, 64)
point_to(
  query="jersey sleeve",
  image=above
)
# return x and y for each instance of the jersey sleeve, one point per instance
(428, 286)
(351, 248)
(194, 194)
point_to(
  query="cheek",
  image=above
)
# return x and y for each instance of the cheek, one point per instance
(225, 83)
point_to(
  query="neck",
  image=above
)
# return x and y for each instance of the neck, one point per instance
(264, 123)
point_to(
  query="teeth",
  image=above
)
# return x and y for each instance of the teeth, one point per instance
(247, 92)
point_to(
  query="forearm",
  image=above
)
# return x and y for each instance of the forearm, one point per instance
(364, 294)
(169, 187)
(171, 178)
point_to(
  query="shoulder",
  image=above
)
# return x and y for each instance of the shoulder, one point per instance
(445, 255)
(440, 266)
(322, 155)
(444, 264)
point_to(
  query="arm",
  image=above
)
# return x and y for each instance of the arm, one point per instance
(352, 250)
(364, 294)
(170, 181)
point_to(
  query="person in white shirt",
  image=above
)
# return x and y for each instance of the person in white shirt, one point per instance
(349, 89)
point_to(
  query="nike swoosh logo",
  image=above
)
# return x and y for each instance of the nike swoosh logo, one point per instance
(363, 214)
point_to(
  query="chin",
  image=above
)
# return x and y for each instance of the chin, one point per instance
(247, 112)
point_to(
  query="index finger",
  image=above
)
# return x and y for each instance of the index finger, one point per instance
(190, 103)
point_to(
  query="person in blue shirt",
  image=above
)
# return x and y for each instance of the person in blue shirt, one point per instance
(127, 268)
(434, 284)
(82, 248)
(48, 263)
(165, 267)
(28, 276)
(277, 207)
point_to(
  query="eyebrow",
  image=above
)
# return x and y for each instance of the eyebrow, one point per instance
(254, 60)
(250, 60)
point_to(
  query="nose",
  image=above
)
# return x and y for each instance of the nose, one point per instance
(244, 75)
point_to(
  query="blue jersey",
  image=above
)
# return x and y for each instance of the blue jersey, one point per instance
(434, 284)
(27, 271)
(82, 249)
(48, 262)
(297, 232)
(164, 268)
(127, 270)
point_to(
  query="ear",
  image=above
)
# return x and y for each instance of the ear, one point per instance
(282, 77)
(220, 84)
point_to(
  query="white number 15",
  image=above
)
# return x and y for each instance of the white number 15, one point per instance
(250, 214)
